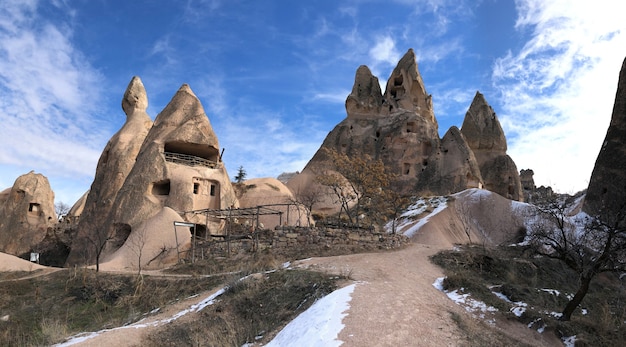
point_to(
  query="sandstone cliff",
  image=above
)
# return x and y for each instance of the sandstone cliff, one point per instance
(26, 214)
(606, 194)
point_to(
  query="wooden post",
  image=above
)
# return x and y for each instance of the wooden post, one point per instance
(193, 245)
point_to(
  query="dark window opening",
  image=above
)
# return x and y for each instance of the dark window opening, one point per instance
(196, 187)
(407, 168)
(377, 134)
(161, 188)
(201, 230)
(425, 162)
(212, 190)
(33, 207)
(397, 81)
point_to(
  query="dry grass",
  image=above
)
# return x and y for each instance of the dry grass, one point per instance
(251, 310)
(46, 309)
(521, 277)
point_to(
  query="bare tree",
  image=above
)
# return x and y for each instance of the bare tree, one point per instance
(588, 245)
(98, 241)
(137, 242)
(308, 198)
(61, 209)
(464, 210)
(359, 179)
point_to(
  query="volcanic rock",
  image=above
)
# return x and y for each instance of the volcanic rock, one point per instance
(26, 214)
(606, 194)
(275, 195)
(178, 166)
(366, 99)
(401, 130)
(114, 165)
(485, 137)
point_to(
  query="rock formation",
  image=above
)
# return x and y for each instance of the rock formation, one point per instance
(178, 166)
(26, 214)
(485, 137)
(153, 245)
(606, 194)
(399, 128)
(114, 164)
(270, 191)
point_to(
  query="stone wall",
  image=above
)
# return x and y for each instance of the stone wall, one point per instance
(296, 241)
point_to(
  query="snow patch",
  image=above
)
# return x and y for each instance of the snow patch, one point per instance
(320, 325)
(569, 341)
(476, 307)
(407, 218)
(138, 325)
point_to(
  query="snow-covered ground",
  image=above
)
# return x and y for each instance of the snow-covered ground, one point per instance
(320, 325)
(139, 325)
(406, 223)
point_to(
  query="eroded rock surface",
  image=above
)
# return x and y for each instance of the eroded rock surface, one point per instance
(114, 165)
(485, 137)
(26, 214)
(179, 167)
(400, 129)
(606, 194)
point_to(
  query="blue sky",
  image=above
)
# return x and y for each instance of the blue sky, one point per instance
(273, 76)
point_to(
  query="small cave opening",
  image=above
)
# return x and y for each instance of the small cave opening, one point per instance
(161, 188)
(34, 207)
(120, 235)
(201, 231)
(397, 81)
(193, 149)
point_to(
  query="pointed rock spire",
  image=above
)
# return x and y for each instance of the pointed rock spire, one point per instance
(183, 120)
(481, 127)
(114, 165)
(135, 97)
(366, 99)
(607, 192)
(405, 89)
(485, 137)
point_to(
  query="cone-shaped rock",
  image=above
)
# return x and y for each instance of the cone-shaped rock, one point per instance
(178, 166)
(366, 99)
(485, 137)
(403, 135)
(405, 89)
(454, 168)
(606, 195)
(26, 213)
(114, 165)
(481, 127)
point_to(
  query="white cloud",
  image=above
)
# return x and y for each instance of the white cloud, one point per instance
(384, 51)
(49, 95)
(558, 90)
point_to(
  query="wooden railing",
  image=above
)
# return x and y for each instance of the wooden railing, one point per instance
(189, 160)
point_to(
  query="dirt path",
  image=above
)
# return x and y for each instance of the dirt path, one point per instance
(396, 304)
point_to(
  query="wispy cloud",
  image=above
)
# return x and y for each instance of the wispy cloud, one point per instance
(384, 51)
(558, 90)
(49, 95)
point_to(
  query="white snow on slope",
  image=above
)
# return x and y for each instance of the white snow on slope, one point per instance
(320, 325)
(407, 219)
(138, 325)
(475, 307)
